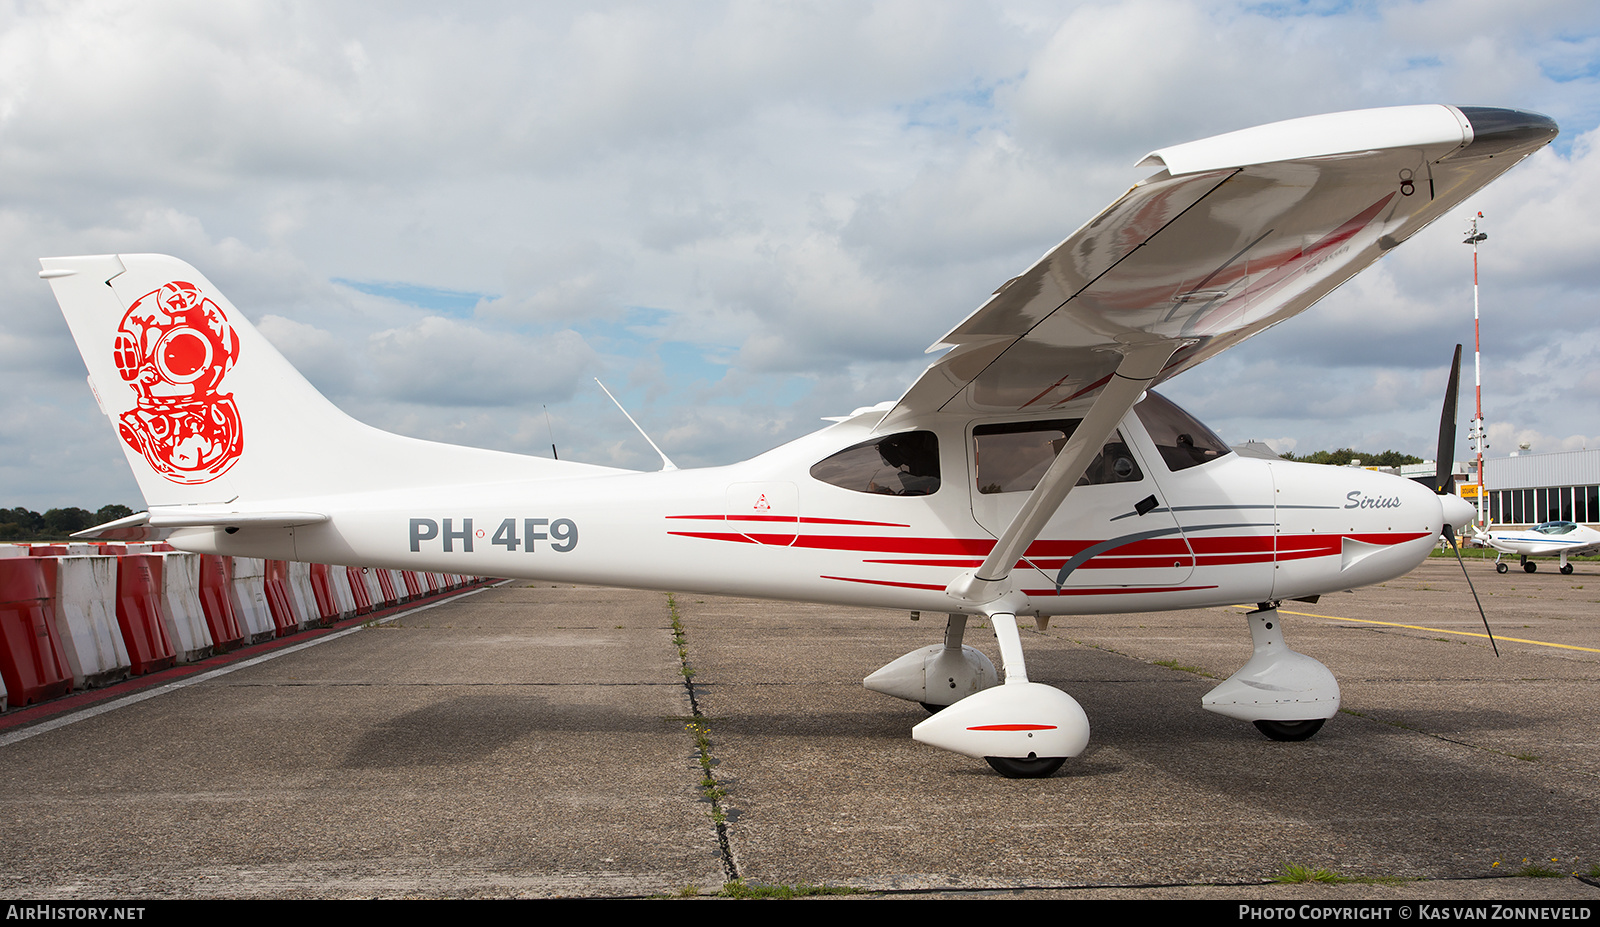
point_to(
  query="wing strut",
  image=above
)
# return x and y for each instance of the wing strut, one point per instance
(1142, 361)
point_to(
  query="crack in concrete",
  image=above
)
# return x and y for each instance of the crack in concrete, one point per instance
(701, 729)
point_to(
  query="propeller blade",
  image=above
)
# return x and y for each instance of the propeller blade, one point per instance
(1443, 479)
(1476, 599)
(1447, 430)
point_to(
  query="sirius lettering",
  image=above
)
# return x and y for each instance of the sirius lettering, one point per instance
(562, 533)
(1355, 500)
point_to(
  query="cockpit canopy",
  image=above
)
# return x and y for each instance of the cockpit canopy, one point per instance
(1556, 527)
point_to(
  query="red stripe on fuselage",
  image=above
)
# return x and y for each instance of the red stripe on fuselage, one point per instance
(1151, 553)
(791, 518)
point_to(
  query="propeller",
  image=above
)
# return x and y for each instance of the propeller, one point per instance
(1444, 478)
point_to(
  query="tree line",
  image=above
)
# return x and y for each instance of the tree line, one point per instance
(20, 524)
(1343, 456)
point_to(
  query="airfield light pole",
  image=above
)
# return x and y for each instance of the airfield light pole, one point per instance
(1476, 435)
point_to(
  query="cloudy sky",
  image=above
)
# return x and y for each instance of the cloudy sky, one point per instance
(745, 216)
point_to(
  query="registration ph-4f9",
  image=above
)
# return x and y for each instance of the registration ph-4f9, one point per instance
(527, 534)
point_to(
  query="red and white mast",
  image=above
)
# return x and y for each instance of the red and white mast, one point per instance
(1477, 435)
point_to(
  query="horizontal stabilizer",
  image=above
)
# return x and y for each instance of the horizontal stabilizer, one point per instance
(195, 517)
(158, 526)
(132, 528)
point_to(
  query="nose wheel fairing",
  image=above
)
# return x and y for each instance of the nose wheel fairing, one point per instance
(1277, 684)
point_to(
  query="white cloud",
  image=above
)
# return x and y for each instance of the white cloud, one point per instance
(746, 216)
(445, 362)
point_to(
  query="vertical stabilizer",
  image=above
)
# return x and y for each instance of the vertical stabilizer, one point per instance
(208, 412)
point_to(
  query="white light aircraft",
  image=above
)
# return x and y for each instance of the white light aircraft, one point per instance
(1552, 539)
(1030, 471)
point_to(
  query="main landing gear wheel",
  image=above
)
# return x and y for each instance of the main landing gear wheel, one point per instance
(931, 708)
(1034, 767)
(1529, 567)
(1501, 568)
(1566, 569)
(1290, 730)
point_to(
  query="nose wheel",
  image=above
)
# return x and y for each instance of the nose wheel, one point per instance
(1290, 731)
(1033, 767)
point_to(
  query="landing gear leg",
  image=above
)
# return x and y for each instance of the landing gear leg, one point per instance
(939, 686)
(1287, 695)
(1566, 568)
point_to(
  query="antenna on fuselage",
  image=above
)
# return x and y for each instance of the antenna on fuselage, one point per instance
(552, 431)
(666, 462)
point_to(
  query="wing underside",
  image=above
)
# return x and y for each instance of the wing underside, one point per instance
(1236, 234)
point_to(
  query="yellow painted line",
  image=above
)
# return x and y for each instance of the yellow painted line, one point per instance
(1418, 627)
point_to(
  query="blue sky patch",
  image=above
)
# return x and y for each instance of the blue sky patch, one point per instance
(456, 303)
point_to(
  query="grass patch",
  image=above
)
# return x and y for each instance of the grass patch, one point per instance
(741, 889)
(1185, 668)
(1295, 874)
(1539, 870)
(1488, 553)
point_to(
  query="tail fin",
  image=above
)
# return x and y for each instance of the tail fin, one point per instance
(208, 412)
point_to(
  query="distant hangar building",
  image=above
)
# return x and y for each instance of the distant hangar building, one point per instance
(1533, 488)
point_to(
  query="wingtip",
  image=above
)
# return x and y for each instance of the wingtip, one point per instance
(1496, 130)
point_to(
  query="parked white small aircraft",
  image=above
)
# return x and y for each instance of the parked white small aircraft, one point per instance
(1030, 471)
(1552, 539)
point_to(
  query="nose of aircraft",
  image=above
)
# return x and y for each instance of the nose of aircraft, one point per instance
(1457, 511)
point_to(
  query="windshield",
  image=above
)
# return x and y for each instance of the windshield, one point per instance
(1179, 436)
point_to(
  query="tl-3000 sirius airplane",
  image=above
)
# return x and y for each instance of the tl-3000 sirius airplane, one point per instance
(1030, 471)
(1552, 539)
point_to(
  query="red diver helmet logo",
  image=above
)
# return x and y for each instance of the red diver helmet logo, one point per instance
(173, 348)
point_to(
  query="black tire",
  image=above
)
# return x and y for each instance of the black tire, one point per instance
(1501, 568)
(1566, 570)
(931, 708)
(1529, 567)
(1290, 731)
(1034, 767)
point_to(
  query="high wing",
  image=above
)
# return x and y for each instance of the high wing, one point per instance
(1235, 234)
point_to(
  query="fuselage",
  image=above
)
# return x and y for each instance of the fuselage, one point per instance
(842, 516)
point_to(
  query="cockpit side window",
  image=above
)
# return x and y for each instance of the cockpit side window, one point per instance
(1179, 436)
(1013, 456)
(905, 464)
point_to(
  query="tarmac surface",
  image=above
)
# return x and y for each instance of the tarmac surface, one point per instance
(542, 741)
